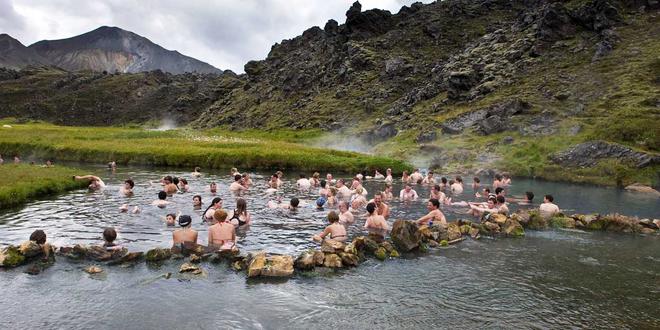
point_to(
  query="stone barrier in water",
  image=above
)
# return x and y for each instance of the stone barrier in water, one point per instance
(406, 237)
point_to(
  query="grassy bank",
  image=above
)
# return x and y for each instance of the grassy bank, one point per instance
(183, 148)
(22, 183)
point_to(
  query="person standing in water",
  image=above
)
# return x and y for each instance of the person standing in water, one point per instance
(127, 189)
(236, 186)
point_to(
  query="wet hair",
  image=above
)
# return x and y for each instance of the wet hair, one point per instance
(388, 185)
(492, 199)
(333, 191)
(405, 172)
(443, 180)
(162, 195)
(220, 215)
(529, 195)
(184, 181)
(333, 217)
(237, 177)
(437, 187)
(130, 183)
(302, 176)
(171, 215)
(341, 180)
(476, 179)
(213, 202)
(435, 202)
(323, 183)
(371, 207)
(500, 199)
(168, 178)
(420, 181)
(498, 190)
(316, 175)
(451, 182)
(487, 190)
(198, 196)
(241, 206)
(175, 180)
(430, 172)
(498, 177)
(294, 202)
(109, 234)
(38, 236)
(459, 179)
(359, 190)
(550, 198)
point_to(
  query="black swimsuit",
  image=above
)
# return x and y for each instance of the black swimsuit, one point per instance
(237, 217)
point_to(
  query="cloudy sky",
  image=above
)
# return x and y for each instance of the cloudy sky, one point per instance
(223, 33)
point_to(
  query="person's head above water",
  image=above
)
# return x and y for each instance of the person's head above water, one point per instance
(498, 177)
(459, 179)
(162, 195)
(340, 182)
(549, 198)
(237, 177)
(434, 204)
(168, 179)
(343, 206)
(129, 184)
(333, 217)
(109, 234)
(197, 200)
(499, 190)
(217, 202)
(241, 206)
(302, 176)
(476, 180)
(500, 199)
(323, 183)
(378, 198)
(443, 180)
(185, 220)
(294, 202)
(529, 195)
(371, 207)
(320, 202)
(38, 236)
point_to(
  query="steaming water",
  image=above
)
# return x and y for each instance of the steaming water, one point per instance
(549, 279)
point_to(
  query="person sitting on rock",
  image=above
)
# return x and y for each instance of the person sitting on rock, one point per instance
(548, 208)
(335, 231)
(109, 236)
(95, 183)
(375, 221)
(435, 216)
(407, 194)
(222, 234)
(162, 200)
(39, 236)
(186, 234)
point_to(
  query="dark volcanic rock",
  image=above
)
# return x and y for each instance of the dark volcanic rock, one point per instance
(490, 120)
(590, 153)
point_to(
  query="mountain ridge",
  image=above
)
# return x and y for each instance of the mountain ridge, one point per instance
(109, 49)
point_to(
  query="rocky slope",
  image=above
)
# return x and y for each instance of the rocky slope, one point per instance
(460, 85)
(109, 49)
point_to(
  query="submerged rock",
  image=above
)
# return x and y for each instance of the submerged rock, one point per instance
(405, 235)
(190, 268)
(513, 228)
(158, 254)
(93, 270)
(349, 259)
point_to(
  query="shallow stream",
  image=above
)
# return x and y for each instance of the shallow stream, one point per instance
(549, 279)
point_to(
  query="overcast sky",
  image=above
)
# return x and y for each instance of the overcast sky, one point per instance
(225, 34)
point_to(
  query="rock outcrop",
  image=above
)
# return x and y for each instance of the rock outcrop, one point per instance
(590, 153)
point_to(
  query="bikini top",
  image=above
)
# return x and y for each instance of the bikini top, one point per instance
(237, 217)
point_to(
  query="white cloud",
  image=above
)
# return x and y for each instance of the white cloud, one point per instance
(225, 34)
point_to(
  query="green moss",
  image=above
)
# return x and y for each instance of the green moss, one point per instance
(444, 243)
(394, 254)
(536, 221)
(380, 253)
(12, 257)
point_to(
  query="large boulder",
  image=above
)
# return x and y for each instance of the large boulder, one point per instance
(588, 154)
(333, 261)
(454, 231)
(273, 266)
(405, 235)
(11, 256)
(349, 259)
(636, 187)
(561, 221)
(30, 249)
(332, 246)
(305, 261)
(158, 254)
(511, 227)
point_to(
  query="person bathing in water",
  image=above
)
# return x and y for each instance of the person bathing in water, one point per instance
(109, 236)
(197, 202)
(95, 183)
(408, 194)
(429, 179)
(528, 199)
(216, 204)
(303, 183)
(415, 177)
(382, 209)
(186, 234)
(335, 231)
(162, 200)
(291, 206)
(240, 216)
(222, 234)
(196, 173)
(387, 194)
(213, 188)
(436, 193)
(378, 175)
(375, 221)
(358, 201)
(405, 178)
(388, 176)
(346, 218)
(548, 208)
(127, 189)
(476, 183)
(237, 186)
(457, 186)
(435, 216)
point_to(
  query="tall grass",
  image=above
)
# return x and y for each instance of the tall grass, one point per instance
(22, 183)
(182, 148)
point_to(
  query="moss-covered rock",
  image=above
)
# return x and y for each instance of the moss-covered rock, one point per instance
(561, 221)
(381, 253)
(513, 228)
(11, 257)
(305, 261)
(444, 243)
(394, 254)
(349, 259)
(158, 254)
(536, 221)
(332, 260)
